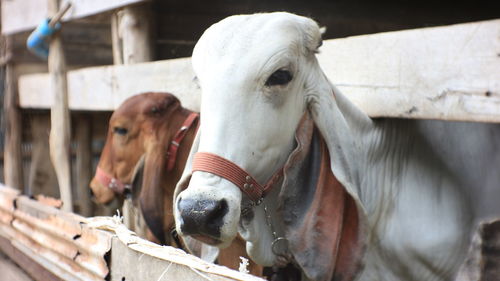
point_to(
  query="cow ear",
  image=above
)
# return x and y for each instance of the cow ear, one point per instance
(343, 126)
(152, 195)
(137, 177)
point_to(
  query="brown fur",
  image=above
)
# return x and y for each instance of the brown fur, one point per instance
(152, 120)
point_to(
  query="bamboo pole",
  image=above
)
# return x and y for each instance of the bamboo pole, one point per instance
(60, 139)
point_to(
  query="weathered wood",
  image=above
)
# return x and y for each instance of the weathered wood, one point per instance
(116, 40)
(60, 136)
(42, 177)
(34, 269)
(83, 137)
(147, 267)
(34, 11)
(448, 73)
(13, 169)
(135, 29)
(106, 87)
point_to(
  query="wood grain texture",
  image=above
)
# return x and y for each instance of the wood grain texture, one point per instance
(13, 168)
(448, 73)
(83, 137)
(60, 134)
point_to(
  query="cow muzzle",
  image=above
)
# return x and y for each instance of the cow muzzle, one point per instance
(202, 219)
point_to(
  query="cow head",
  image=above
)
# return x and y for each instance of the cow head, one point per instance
(141, 128)
(258, 75)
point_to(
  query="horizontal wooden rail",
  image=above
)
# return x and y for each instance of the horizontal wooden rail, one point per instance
(448, 73)
(50, 244)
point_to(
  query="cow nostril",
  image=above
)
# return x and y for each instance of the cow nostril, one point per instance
(216, 215)
(92, 195)
(202, 216)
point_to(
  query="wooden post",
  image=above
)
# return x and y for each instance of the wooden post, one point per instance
(60, 139)
(83, 135)
(136, 30)
(132, 33)
(116, 41)
(42, 177)
(13, 169)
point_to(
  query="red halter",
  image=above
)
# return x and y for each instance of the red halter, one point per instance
(176, 141)
(219, 166)
(112, 183)
(214, 164)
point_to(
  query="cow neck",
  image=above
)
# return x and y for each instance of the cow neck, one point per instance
(219, 166)
(110, 182)
(173, 147)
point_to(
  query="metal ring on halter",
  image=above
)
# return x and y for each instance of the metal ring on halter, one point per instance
(276, 242)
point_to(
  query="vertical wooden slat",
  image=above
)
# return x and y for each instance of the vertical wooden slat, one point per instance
(13, 169)
(136, 31)
(42, 178)
(116, 39)
(83, 135)
(60, 117)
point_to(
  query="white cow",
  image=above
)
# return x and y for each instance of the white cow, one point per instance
(409, 180)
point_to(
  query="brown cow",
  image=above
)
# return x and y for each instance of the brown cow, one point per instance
(147, 125)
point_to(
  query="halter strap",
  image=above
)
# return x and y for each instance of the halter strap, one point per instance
(176, 141)
(219, 166)
(112, 183)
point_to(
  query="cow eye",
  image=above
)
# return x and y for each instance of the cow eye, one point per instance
(279, 77)
(120, 130)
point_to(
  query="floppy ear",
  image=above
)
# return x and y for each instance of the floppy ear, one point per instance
(152, 195)
(137, 178)
(343, 127)
(195, 247)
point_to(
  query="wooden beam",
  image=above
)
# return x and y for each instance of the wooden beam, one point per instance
(448, 73)
(60, 136)
(33, 268)
(13, 168)
(34, 11)
(83, 137)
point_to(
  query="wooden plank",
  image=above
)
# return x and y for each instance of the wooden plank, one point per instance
(33, 268)
(13, 169)
(448, 73)
(42, 178)
(136, 30)
(34, 11)
(60, 137)
(83, 136)
(154, 262)
(106, 87)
